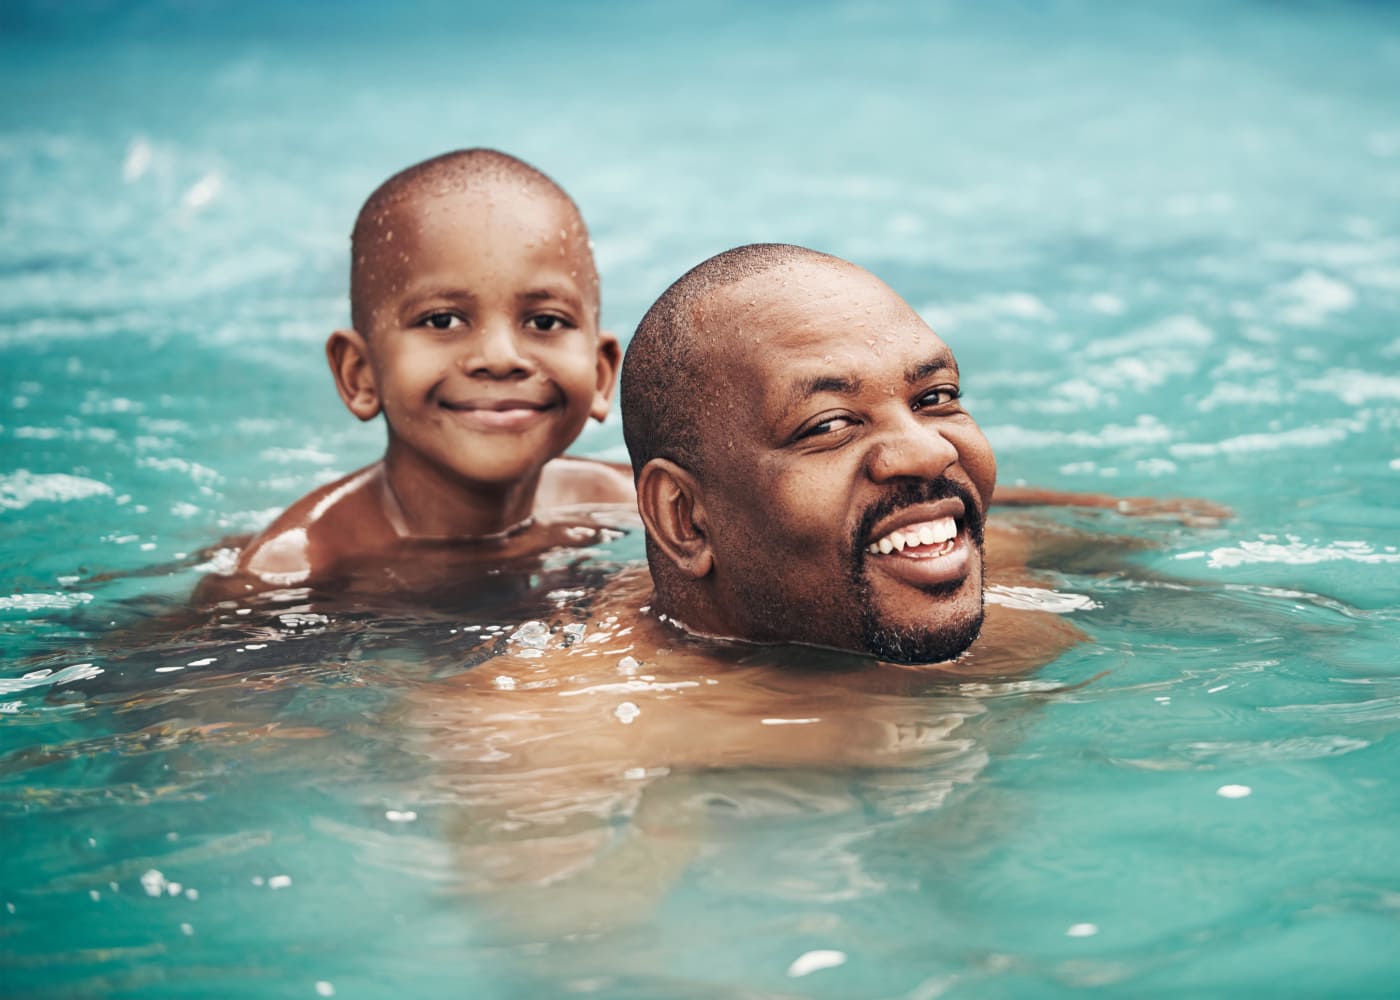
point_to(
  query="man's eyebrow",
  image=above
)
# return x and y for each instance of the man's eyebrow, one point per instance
(935, 364)
(806, 388)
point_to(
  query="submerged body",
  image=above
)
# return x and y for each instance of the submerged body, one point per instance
(351, 534)
(576, 755)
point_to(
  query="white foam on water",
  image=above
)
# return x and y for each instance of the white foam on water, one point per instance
(221, 561)
(1107, 303)
(202, 192)
(138, 160)
(1357, 387)
(1147, 430)
(1311, 298)
(1298, 437)
(199, 473)
(1038, 599)
(1176, 331)
(298, 456)
(1291, 552)
(43, 602)
(1010, 305)
(46, 677)
(21, 488)
(815, 961)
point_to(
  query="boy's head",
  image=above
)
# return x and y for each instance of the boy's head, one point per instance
(474, 299)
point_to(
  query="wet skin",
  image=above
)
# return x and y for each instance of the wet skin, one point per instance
(483, 352)
(483, 347)
(852, 435)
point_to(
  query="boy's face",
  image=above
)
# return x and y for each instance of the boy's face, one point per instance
(483, 336)
(850, 435)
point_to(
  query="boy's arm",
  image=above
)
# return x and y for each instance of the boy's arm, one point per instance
(306, 541)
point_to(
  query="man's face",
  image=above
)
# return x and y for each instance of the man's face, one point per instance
(483, 331)
(844, 484)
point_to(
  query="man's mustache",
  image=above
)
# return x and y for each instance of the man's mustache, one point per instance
(909, 493)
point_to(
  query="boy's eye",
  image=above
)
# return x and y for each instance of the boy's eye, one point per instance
(441, 320)
(547, 323)
(941, 396)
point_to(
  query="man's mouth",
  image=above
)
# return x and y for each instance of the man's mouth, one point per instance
(926, 536)
(931, 539)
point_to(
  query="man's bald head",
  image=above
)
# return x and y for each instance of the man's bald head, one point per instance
(668, 375)
(462, 171)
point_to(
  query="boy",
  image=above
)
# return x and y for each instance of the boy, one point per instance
(475, 307)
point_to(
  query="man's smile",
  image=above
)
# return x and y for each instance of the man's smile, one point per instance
(923, 544)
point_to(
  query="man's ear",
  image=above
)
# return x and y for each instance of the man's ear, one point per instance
(673, 510)
(354, 378)
(609, 359)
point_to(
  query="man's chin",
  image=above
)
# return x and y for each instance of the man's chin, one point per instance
(915, 645)
(921, 640)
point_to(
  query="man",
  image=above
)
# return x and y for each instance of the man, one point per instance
(811, 485)
(805, 468)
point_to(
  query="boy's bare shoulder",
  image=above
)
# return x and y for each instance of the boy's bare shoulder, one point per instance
(306, 541)
(567, 481)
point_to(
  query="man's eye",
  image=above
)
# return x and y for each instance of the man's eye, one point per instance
(941, 396)
(441, 320)
(828, 426)
(546, 323)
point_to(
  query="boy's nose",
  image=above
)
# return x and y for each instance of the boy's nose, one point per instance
(495, 353)
(914, 449)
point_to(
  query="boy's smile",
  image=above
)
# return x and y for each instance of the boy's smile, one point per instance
(507, 415)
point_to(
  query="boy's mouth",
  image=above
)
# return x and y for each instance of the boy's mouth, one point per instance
(497, 414)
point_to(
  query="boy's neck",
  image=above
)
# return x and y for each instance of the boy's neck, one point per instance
(423, 502)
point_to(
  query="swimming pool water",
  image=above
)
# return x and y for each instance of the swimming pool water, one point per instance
(1165, 245)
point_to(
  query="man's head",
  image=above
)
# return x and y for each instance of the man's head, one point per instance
(804, 467)
(474, 299)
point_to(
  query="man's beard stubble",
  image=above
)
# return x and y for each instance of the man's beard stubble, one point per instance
(935, 642)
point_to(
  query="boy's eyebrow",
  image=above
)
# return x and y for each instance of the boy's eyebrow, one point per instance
(543, 294)
(440, 292)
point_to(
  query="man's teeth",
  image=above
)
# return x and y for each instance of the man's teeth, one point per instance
(930, 533)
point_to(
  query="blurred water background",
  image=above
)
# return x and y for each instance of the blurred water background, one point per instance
(1164, 241)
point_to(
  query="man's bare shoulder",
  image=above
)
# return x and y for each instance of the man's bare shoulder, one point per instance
(568, 481)
(341, 519)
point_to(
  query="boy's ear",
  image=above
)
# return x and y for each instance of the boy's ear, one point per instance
(673, 509)
(354, 378)
(609, 360)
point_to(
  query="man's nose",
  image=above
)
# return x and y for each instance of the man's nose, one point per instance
(494, 351)
(913, 448)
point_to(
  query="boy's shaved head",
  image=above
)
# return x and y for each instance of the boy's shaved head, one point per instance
(462, 171)
(669, 382)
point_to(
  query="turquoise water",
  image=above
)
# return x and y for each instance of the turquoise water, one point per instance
(1165, 244)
